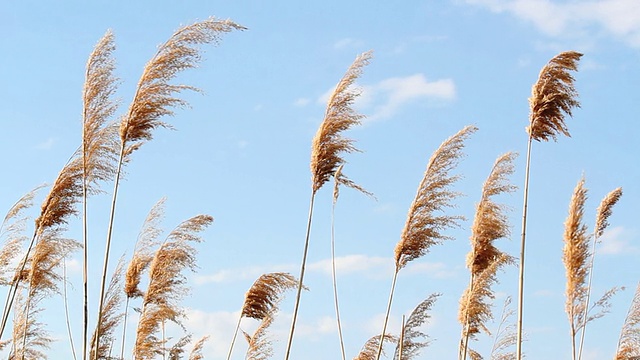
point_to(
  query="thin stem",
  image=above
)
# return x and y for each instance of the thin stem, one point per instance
(235, 334)
(302, 270)
(85, 263)
(522, 247)
(124, 327)
(66, 306)
(401, 339)
(386, 317)
(107, 249)
(586, 301)
(465, 328)
(335, 281)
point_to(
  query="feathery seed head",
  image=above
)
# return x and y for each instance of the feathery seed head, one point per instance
(328, 143)
(155, 97)
(552, 97)
(604, 211)
(424, 224)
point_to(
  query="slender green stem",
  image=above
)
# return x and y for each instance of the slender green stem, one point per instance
(522, 247)
(386, 317)
(233, 341)
(302, 270)
(335, 280)
(107, 250)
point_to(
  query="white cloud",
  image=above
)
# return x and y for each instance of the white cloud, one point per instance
(355, 264)
(347, 43)
(219, 326)
(384, 99)
(247, 273)
(616, 241)
(301, 102)
(435, 270)
(578, 19)
(376, 266)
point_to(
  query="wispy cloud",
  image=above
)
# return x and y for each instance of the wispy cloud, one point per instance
(347, 43)
(387, 97)
(301, 102)
(379, 267)
(384, 99)
(616, 241)
(236, 274)
(218, 325)
(352, 264)
(578, 19)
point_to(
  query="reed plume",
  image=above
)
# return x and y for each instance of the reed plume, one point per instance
(505, 335)
(196, 351)
(412, 340)
(167, 285)
(30, 337)
(260, 344)
(42, 280)
(11, 230)
(490, 224)
(575, 256)
(327, 148)
(552, 97)
(177, 350)
(629, 339)
(263, 297)
(603, 213)
(111, 316)
(426, 220)
(57, 207)
(370, 348)
(155, 98)
(142, 256)
(99, 143)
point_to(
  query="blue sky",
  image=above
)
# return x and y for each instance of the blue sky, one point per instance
(241, 152)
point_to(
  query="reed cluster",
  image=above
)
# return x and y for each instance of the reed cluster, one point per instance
(153, 279)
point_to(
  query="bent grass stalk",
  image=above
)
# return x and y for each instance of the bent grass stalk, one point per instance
(552, 97)
(327, 148)
(425, 221)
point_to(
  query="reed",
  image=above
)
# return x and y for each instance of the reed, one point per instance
(411, 339)
(99, 144)
(485, 259)
(167, 285)
(370, 348)
(629, 339)
(553, 96)
(327, 148)
(426, 220)
(261, 302)
(603, 213)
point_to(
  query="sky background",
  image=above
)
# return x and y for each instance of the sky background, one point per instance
(241, 153)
